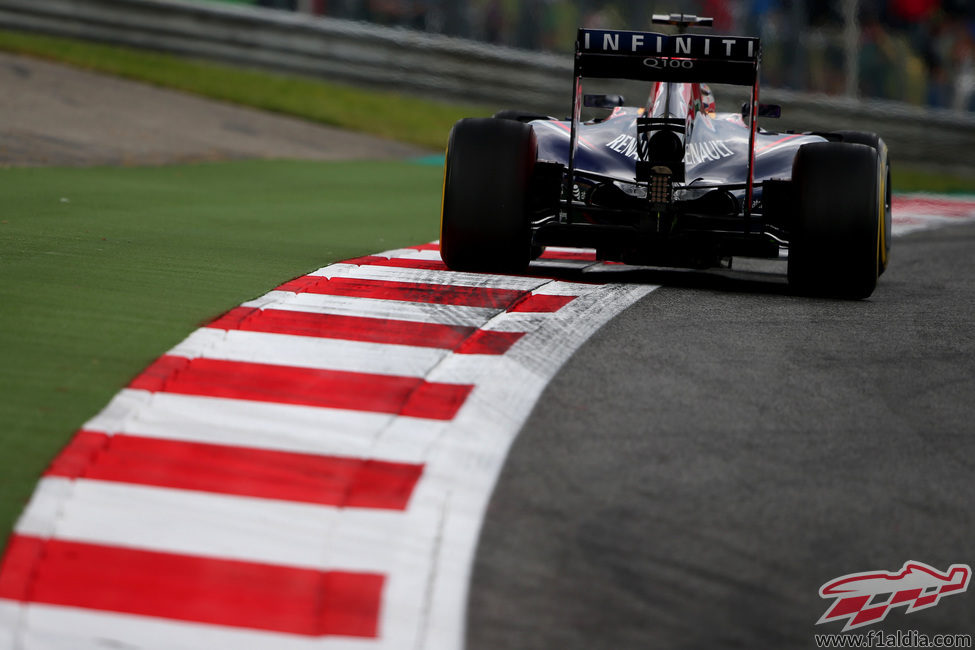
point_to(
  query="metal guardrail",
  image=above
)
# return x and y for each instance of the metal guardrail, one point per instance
(339, 49)
(404, 60)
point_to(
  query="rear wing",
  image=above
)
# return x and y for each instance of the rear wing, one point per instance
(681, 58)
(649, 56)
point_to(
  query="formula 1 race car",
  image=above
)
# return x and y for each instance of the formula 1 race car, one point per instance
(673, 183)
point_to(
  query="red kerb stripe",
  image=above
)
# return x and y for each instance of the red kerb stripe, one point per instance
(261, 473)
(409, 396)
(370, 330)
(405, 291)
(191, 588)
(940, 207)
(400, 262)
(541, 303)
(586, 256)
(489, 342)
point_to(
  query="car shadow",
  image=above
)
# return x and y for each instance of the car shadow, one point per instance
(751, 279)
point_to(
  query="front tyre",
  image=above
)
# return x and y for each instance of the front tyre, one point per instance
(835, 237)
(485, 224)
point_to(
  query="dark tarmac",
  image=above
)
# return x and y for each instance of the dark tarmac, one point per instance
(719, 451)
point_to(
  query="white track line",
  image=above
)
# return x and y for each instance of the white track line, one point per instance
(471, 456)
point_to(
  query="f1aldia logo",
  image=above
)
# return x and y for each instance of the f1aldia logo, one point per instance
(865, 598)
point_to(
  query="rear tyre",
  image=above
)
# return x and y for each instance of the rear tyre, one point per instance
(876, 142)
(485, 223)
(835, 237)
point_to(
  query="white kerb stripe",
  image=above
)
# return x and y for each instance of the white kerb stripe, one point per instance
(375, 308)
(443, 278)
(271, 531)
(51, 627)
(310, 352)
(267, 425)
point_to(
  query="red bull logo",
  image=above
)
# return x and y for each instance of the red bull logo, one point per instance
(866, 598)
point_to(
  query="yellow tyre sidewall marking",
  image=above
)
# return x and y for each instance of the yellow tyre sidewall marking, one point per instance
(882, 217)
(443, 193)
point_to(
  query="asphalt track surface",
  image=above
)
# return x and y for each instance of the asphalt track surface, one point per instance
(716, 453)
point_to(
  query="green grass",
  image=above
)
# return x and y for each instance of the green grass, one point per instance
(905, 178)
(391, 115)
(104, 269)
